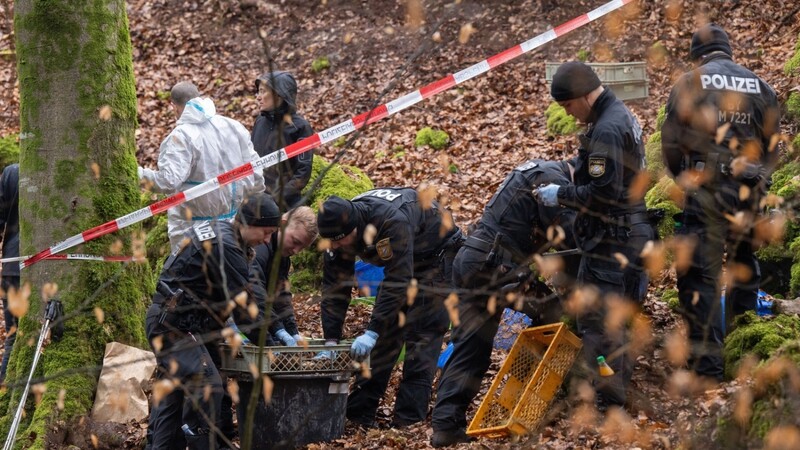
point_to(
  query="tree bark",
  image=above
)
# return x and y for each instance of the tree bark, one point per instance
(77, 170)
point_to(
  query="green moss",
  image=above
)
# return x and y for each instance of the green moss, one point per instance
(9, 150)
(758, 336)
(436, 139)
(793, 106)
(670, 297)
(559, 122)
(655, 163)
(792, 66)
(659, 197)
(661, 116)
(65, 174)
(320, 64)
(343, 181)
(794, 281)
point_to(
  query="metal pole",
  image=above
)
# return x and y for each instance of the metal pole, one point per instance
(50, 313)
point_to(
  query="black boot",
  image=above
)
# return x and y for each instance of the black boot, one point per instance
(446, 438)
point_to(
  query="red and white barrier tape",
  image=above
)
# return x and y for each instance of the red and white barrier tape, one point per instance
(74, 256)
(329, 134)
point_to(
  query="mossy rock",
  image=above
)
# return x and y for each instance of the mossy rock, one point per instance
(794, 280)
(436, 139)
(670, 297)
(9, 150)
(659, 197)
(559, 122)
(793, 106)
(652, 154)
(786, 180)
(775, 261)
(792, 66)
(343, 181)
(759, 336)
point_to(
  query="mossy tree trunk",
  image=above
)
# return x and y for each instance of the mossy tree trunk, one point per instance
(77, 170)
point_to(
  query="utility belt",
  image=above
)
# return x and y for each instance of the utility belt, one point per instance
(590, 230)
(497, 252)
(181, 312)
(718, 167)
(448, 248)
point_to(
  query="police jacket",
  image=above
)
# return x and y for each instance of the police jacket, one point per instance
(9, 217)
(272, 132)
(406, 236)
(518, 218)
(213, 269)
(202, 146)
(715, 113)
(611, 155)
(281, 311)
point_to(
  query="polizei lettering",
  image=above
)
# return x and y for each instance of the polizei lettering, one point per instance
(730, 83)
(385, 194)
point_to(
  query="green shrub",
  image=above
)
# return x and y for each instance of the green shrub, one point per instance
(320, 64)
(659, 197)
(9, 150)
(343, 181)
(583, 55)
(661, 116)
(760, 336)
(436, 139)
(559, 122)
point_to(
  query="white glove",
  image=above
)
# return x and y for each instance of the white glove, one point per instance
(140, 172)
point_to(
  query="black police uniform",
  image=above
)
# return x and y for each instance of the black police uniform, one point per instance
(211, 270)
(410, 243)
(271, 132)
(9, 225)
(719, 95)
(610, 157)
(513, 228)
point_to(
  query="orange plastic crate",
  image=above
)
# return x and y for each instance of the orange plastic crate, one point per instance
(524, 387)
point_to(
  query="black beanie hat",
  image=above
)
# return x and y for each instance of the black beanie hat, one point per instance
(708, 39)
(572, 80)
(259, 210)
(336, 218)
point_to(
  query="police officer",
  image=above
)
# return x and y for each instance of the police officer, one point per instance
(390, 228)
(191, 306)
(9, 226)
(612, 225)
(512, 230)
(720, 121)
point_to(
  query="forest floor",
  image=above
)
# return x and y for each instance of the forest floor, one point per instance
(494, 121)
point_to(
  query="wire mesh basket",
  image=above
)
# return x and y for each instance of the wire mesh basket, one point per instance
(524, 387)
(291, 360)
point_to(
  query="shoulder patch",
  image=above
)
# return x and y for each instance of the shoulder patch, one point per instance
(384, 249)
(203, 231)
(597, 166)
(527, 166)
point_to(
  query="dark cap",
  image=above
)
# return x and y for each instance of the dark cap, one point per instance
(336, 218)
(709, 39)
(572, 80)
(259, 210)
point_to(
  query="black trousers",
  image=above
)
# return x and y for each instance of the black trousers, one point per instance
(707, 228)
(614, 286)
(426, 323)
(187, 362)
(472, 341)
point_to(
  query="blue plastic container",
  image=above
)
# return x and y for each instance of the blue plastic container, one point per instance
(369, 277)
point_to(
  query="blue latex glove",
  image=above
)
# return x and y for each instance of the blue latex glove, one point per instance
(363, 345)
(548, 195)
(286, 338)
(327, 354)
(297, 338)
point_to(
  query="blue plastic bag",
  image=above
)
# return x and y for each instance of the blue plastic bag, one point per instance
(369, 277)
